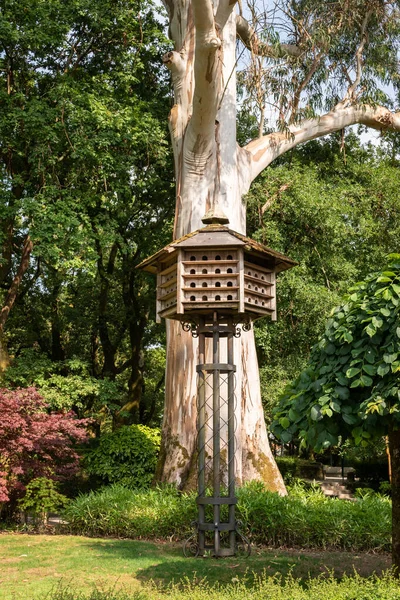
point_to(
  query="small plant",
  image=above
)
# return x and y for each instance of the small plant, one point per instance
(41, 498)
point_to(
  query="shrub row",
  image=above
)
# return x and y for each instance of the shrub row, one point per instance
(303, 518)
(263, 588)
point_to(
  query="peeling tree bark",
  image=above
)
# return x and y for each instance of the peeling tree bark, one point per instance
(212, 171)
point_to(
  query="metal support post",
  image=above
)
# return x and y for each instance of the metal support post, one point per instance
(216, 526)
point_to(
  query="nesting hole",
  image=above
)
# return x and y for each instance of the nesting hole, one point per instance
(204, 298)
(204, 271)
(229, 297)
(192, 298)
(229, 257)
(204, 284)
(193, 271)
(229, 284)
(218, 271)
(217, 284)
(204, 258)
(192, 284)
(218, 257)
(218, 297)
(192, 258)
(229, 270)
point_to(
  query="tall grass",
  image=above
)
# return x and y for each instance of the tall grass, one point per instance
(306, 519)
(262, 588)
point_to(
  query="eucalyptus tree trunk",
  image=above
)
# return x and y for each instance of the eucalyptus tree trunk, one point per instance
(212, 174)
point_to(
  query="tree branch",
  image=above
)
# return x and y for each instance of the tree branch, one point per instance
(249, 37)
(13, 291)
(200, 132)
(262, 151)
(350, 95)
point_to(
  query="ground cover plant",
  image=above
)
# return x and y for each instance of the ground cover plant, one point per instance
(70, 567)
(304, 518)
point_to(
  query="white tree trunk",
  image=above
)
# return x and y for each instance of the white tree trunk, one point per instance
(212, 171)
(209, 174)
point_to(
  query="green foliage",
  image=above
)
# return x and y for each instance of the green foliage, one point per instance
(85, 169)
(291, 468)
(127, 456)
(350, 387)
(65, 385)
(304, 518)
(338, 217)
(257, 588)
(116, 510)
(42, 497)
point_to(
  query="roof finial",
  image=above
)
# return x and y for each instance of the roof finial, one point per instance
(215, 216)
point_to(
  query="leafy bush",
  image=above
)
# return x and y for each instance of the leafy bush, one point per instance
(291, 467)
(116, 510)
(304, 518)
(42, 497)
(322, 588)
(127, 456)
(34, 443)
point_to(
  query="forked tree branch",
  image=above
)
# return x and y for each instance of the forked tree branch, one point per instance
(350, 95)
(249, 37)
(207, 66)
(262, 151)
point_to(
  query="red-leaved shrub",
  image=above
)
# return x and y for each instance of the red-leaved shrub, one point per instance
(35, 442)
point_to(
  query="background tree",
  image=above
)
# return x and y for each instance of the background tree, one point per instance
(325, 64)
(84, 171)
(338, 215)
(350, 388)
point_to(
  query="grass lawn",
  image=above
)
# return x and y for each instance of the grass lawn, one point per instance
(31, 565)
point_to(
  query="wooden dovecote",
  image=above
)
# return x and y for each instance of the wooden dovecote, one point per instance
(216, 269)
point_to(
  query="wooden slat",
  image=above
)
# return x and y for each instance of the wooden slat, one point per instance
(158, 303)
(209, 262)
(168, 270)
(208, 275)
(211, 288)
(256, 267)
(180, 283)
(166, 296)
(241, 282)
(166, 284)
(257, 280)
(253, 292)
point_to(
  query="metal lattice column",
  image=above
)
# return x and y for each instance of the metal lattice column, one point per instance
(216, 525)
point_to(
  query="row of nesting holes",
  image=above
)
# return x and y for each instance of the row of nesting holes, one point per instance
(255, 301)
(229, 257)
(205, 272)
(204, 298)
(217, 284)
(255, 274)
(256, 289)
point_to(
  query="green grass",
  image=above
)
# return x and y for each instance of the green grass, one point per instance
(33, 565)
